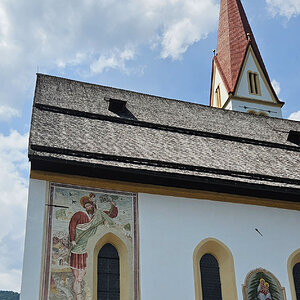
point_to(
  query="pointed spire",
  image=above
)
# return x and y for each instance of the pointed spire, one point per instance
(234, 36)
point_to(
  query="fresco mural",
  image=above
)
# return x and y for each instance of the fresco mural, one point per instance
(263, 285)
(76, 216)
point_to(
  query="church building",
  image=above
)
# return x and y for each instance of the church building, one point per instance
(139, 197)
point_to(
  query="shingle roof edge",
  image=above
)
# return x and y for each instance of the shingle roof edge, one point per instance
(190, 102)
(171, 165)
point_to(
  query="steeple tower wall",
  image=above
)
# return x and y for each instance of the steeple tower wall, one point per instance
(239, 74)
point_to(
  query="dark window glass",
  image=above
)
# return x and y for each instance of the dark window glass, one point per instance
(210, 278)
(296, 274)
(108, 274)
(251, 82)
(255, 83)
(117, 106)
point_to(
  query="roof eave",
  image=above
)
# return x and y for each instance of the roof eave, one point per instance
(169, 179)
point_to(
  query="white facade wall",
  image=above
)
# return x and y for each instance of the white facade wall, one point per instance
(223, 91)
(171, 228)
(239, 105)
(32, 262)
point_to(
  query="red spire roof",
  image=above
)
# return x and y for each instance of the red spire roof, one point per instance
(234, 36)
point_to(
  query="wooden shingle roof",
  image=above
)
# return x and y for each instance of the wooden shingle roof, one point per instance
(174, 142)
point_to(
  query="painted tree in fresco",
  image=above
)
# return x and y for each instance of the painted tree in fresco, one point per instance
(255, 281)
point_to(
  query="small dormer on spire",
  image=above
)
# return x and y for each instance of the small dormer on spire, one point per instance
(240, 80)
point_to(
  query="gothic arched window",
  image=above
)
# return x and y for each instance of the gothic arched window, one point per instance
(210, 278)
(108, 273)
(296, 275)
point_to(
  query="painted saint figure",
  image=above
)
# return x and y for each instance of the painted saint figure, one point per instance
(263, 292)
(81, 227)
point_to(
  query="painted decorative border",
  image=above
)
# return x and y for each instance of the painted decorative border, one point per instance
(251, 273)
(48, 234)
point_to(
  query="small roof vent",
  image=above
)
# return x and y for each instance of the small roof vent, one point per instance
(294, 137)
(117, 106)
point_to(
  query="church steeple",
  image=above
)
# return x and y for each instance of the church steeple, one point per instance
(240, 80)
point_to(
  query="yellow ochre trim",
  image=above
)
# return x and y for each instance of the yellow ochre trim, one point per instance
(250, 100)
(160, 190)
(293, 259)
(226, 264)
(124, 264)
(212, 96)
(45, 244)
(218, 96)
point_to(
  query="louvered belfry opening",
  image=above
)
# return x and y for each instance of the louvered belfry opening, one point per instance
(108, 273)
(296, 275)
(210, 278)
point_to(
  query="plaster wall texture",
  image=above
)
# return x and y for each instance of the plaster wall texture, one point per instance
(243, 89)
(238, 105)
(223, 91)
(171, 228)
(33, 240)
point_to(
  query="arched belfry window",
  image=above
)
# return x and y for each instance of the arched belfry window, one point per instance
(210, 278)
(218, 97)
(296, 275)
(108, 273)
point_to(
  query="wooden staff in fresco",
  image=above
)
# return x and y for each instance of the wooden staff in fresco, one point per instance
(82, 226)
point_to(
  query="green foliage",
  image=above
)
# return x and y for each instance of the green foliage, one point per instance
(254, 282)
(8, 295)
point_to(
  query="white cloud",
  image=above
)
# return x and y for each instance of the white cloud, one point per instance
(198, 17)
(276, 86)
(92, 36)
(116, 60)
(6, 112)
(13, 199)
(295, 116)
(73, 61)
(286, 8)
(11, 280)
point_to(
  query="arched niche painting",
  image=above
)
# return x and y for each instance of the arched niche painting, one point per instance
(261, 284)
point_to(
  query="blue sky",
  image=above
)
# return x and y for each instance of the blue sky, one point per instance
(160, 47)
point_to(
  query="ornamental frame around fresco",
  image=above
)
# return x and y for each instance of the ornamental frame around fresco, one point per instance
(62, 203)
(275, 282)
